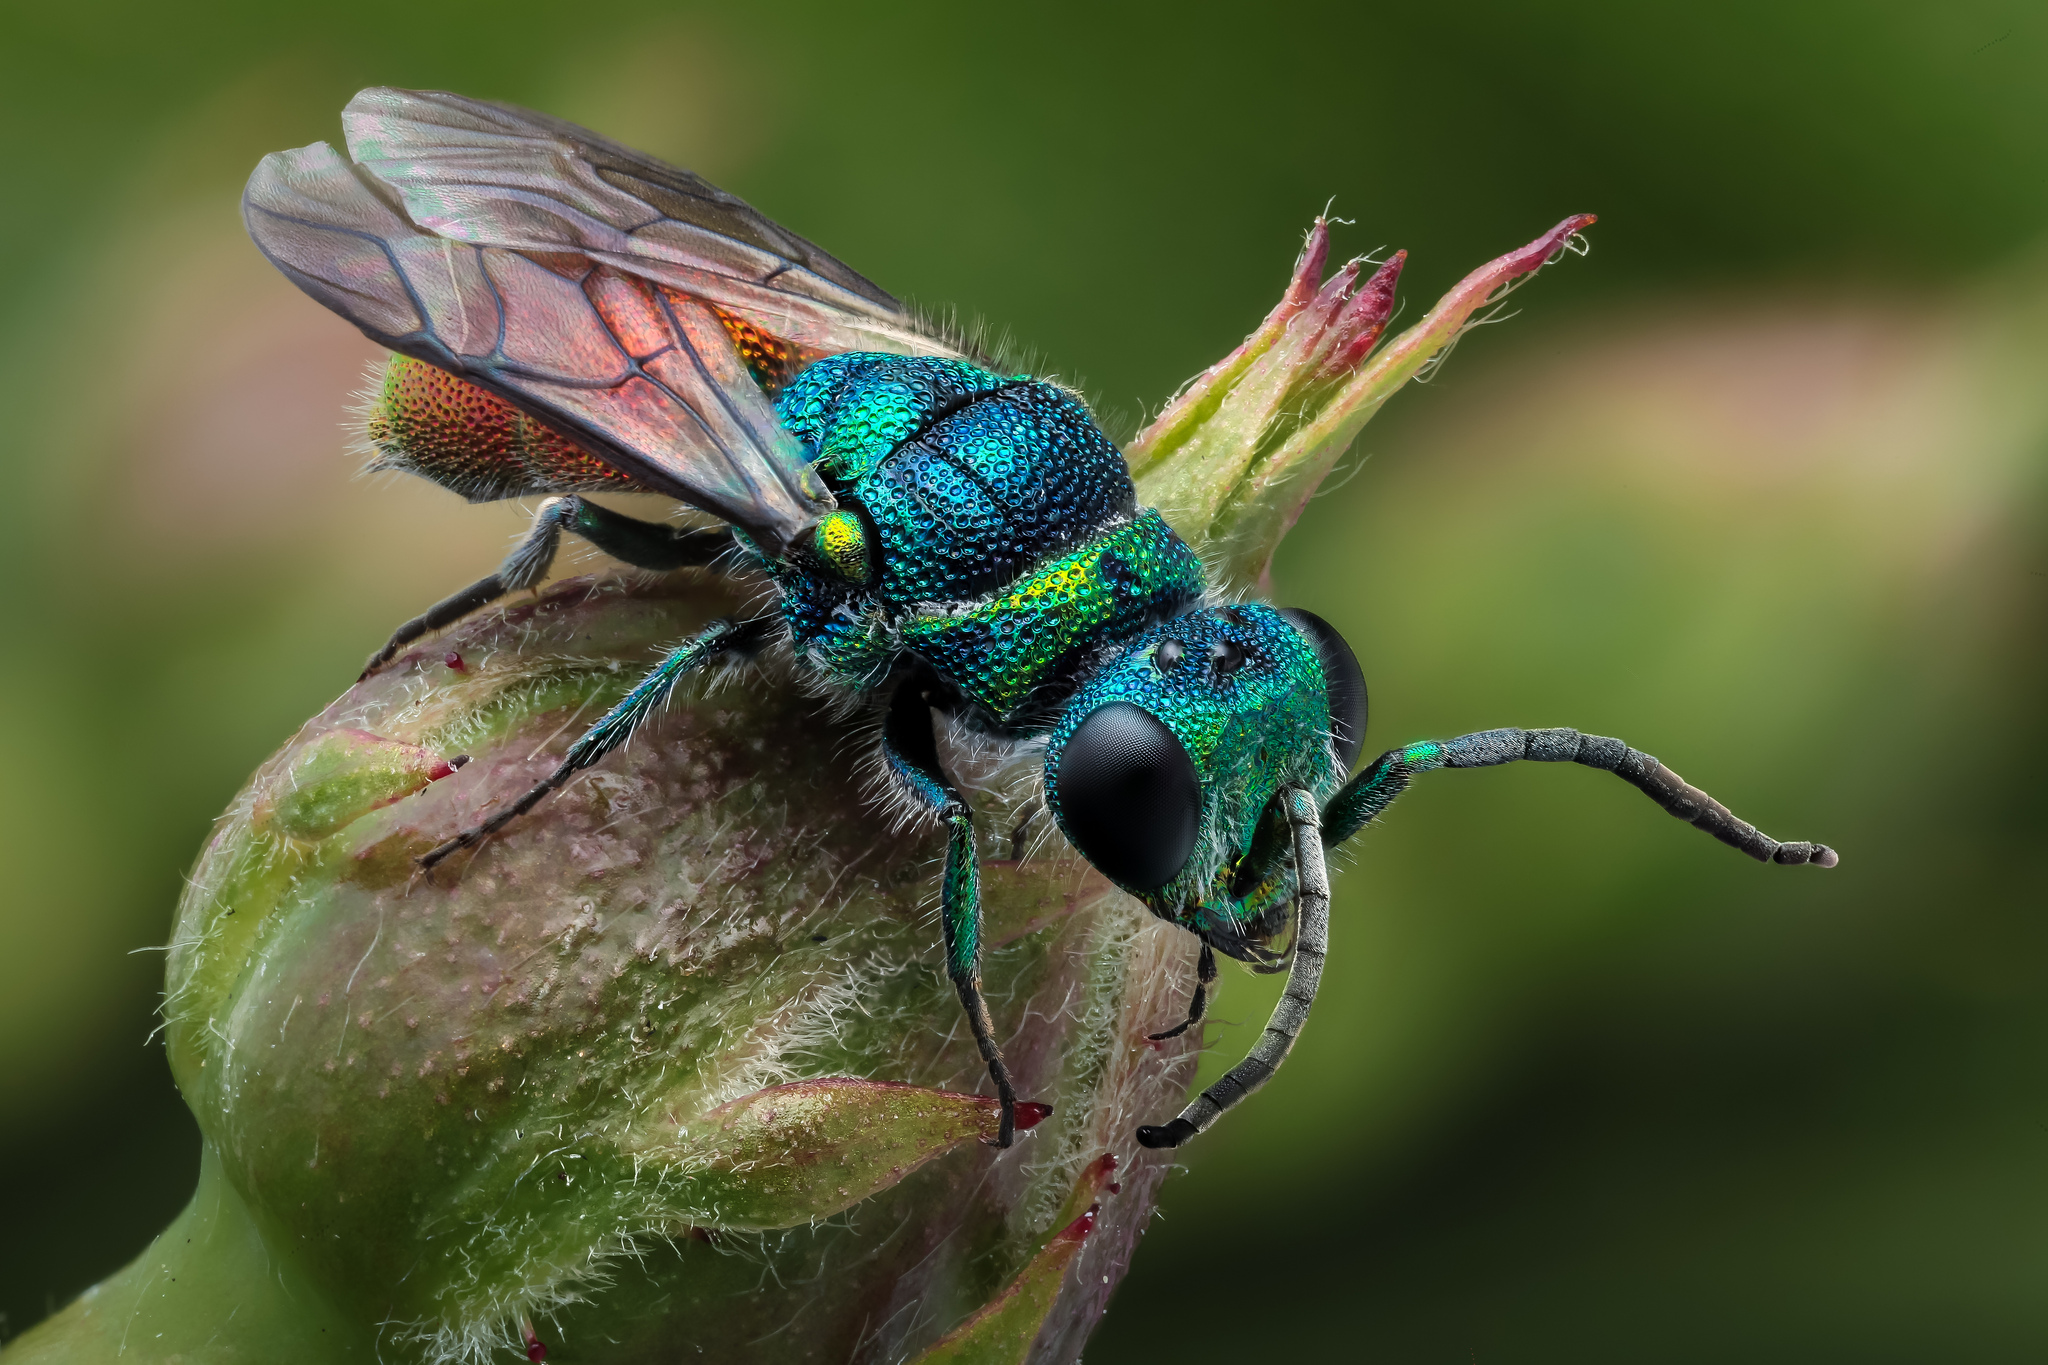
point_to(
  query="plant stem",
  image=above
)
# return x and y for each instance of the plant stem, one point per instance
(215, 1286)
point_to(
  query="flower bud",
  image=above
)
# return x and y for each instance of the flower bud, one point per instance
(1234, 458)
(683, 1028)
(671, 1065)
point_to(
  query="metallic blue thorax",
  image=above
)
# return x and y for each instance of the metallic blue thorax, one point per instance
(1004, 544)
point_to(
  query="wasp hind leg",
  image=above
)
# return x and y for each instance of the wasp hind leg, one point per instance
(618, 724)
(643, 544)
(911, 751)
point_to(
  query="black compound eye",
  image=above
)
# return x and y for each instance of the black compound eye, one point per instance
(1348, 709)
(1129, 797)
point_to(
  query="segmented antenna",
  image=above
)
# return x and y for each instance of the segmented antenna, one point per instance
(1375, 788)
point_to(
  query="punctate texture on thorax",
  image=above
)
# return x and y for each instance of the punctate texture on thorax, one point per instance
(1006, 545)
(966, 477)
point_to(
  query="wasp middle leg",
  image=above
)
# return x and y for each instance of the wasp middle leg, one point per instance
(911, 750)
(643, 544)
(618, 724)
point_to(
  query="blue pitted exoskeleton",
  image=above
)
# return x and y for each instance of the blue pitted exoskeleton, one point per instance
(571, 317)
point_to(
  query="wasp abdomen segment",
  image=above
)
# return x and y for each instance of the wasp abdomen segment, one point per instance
(423, 420)
(770, 359)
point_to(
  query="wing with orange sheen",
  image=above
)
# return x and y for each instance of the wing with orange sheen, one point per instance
(579, 280)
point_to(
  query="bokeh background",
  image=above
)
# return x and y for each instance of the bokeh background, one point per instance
(1759, 486)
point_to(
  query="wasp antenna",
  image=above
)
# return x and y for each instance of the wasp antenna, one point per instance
(1374, 789)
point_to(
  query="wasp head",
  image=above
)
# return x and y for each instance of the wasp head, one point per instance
(1165, 769)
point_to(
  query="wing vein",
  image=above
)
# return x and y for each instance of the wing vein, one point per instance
(530, 195)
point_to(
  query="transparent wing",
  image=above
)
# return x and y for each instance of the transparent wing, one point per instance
(575, 278)
(493, 175)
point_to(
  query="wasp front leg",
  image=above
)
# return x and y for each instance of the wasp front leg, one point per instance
(911, 751)
(1198, 1003)
(643, 544)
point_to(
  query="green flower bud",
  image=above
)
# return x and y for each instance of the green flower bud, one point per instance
(672, 1066)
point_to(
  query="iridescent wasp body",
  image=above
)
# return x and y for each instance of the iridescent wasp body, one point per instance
(573, 317)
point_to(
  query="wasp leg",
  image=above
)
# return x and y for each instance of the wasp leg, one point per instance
(1205, 977)
(911, 750)
(619, 723)
(1311, 944)
(1375, 788)
(643, 544)
(1021, 830)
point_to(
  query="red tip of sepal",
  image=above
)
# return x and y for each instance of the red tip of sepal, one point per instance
(1031, 1114)
(1365, 316)
(1376, 299)
(1308, 269)
(1543, 248)
(1080, 1227)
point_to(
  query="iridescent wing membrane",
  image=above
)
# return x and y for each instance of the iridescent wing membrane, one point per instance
(581, 281)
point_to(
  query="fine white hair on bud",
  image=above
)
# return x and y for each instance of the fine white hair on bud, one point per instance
(691, 1005)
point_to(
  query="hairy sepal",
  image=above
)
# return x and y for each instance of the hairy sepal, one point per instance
(669, 1063)
(1235, 457)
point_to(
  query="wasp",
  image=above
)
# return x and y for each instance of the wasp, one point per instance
(945, 543)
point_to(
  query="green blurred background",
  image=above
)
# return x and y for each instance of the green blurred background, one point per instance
(1758, 486)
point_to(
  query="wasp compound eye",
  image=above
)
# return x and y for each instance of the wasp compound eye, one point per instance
(1346, 681)
(1129, 797)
